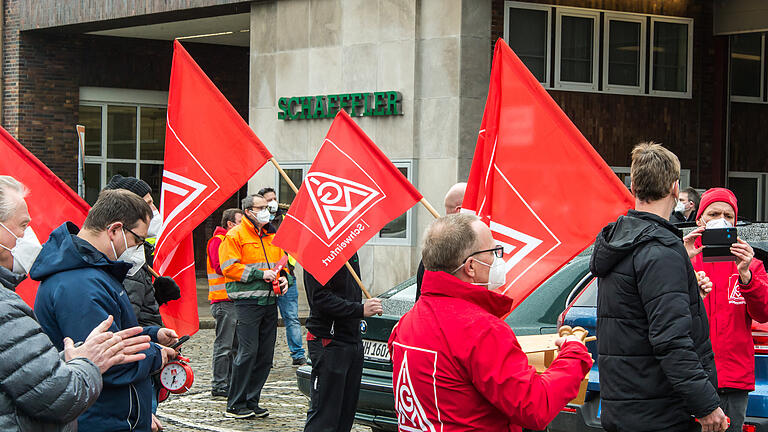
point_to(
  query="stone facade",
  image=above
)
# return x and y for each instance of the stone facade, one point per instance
(435, 52)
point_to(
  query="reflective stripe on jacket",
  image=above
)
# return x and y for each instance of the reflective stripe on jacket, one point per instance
(217, 289)
(244, 255)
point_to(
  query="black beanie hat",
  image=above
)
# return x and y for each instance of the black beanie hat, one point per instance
(133, 184)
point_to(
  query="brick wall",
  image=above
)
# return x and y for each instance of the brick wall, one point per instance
(614, 123)
(42, 73)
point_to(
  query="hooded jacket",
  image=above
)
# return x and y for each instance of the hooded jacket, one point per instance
(336, 308)
(654, 355)
(79, 288)
(731, 307)
(38, 390)
(141, 293)
(459, 367)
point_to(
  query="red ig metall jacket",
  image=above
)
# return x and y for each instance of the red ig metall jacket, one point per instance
(731, 307)
(459, 367)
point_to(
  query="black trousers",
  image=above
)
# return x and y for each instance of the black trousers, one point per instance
(256, 335)
(335, 385)
(734, 404)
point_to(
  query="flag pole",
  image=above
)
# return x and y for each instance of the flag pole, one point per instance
(430, 208)
(296, 191)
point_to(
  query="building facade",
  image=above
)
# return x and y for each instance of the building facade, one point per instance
(690, 74)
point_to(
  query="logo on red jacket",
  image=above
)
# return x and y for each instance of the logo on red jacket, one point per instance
(411, 416)
(734, 293)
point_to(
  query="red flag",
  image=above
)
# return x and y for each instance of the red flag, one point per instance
(210, 152)
(535, 179)
(50, 201)
(351, 191)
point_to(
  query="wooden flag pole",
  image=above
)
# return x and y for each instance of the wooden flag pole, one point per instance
(296, 191)
(430, 208)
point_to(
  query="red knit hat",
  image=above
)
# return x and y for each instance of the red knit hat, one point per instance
(717, 195)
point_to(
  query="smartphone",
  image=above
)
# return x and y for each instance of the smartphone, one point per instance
(717, 242)
(181, 341)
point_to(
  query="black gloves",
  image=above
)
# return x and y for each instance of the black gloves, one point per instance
(166, 289)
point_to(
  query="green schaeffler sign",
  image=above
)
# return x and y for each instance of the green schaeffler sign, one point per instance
(387, 103)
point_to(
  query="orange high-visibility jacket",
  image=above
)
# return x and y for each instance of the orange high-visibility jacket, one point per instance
(244, 255)
(217, 290)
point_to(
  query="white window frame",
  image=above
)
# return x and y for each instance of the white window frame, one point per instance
(762, 193)
(375, 240)
(303, 166)
(750, 99)
(103, 97)
(579, 13)
(622, 89)
(548, 55)
(689, 68)
(685, 175)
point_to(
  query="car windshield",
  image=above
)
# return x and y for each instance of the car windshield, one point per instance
(548, 300)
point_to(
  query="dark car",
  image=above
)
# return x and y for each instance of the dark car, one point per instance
(582, 311)
(537, 314)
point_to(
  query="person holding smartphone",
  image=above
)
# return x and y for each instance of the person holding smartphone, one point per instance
(739, 295)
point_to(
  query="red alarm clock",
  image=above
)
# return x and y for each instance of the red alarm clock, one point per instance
(177, 376)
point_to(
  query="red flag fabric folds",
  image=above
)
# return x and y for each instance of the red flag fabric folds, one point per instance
(210, 152)
(535, 180)
(351, 191)
(50, 201)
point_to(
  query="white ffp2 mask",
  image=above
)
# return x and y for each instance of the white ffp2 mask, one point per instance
(497, 275)
(25, 251)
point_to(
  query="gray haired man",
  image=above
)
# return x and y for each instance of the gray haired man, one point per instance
(41, 388)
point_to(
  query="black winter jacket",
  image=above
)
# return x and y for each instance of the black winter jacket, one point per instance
(654, 355)
(142, 294)
(335, 309)
(38, 390)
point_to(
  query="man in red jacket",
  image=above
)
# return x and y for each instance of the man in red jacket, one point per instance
(457, 365)
(739, 295)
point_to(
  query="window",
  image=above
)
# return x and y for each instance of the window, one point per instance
(625, 176)
(624, 53)
(747, 67)
(602, 51)
(397, 232)
(575, 49)
(528, 34)
(671, 56)
(749, 189)
(124, 134)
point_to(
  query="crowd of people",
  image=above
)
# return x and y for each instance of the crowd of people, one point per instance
(674, 342)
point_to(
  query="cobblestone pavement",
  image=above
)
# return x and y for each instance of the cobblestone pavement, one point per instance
(196, 410)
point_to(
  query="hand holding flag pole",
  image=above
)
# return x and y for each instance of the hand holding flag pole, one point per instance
(296, 191)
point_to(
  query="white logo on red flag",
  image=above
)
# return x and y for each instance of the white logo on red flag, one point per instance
(181, 194)
(522, 251)
(410, 413)
(337, 200)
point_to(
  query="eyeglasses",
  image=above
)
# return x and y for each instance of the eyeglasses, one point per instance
(141, 240)
(256, 209)
(498, 252)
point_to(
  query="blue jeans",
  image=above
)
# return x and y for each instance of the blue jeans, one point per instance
(289, 310)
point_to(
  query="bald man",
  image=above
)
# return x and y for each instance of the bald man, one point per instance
(452, 202)
(454, 198)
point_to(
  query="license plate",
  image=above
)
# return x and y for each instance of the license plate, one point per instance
(374, 350)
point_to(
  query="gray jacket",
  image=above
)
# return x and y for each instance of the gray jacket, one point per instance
(38, 390)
